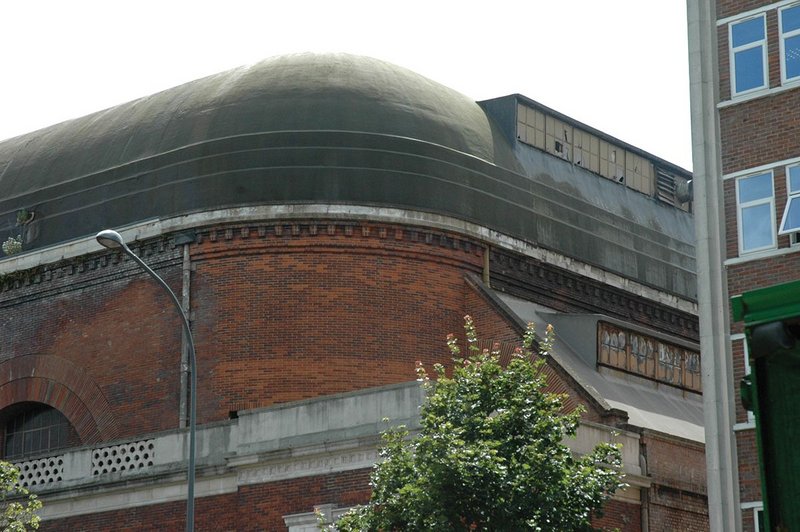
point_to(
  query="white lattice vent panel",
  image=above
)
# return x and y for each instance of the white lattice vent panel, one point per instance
(41, 471)
(127, 457)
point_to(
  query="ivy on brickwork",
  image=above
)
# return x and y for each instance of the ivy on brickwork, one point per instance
(489, 454)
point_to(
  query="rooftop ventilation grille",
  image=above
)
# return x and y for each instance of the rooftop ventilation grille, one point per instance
(665, 186)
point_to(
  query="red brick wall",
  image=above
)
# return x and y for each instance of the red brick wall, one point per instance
(671, 510)
(724, 64)
(258, 507)
(280, 312)
(618, 515)
(748, 524)
(749, 475)
(107, 336)
(676, 463)
(755, 133)
(489, 322)
(677, 498)
(747, 452)
(261, 507)
(760, 273)
(731, 219)
(760, 131)
(270, 502)
(276, 317)
(168, 516)
(297, 315)
(727, 8)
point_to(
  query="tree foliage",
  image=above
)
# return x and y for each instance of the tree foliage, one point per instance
(17, 505)
(489, 454)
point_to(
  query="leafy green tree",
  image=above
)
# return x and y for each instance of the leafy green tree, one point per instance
(17, 505)
(489, 454)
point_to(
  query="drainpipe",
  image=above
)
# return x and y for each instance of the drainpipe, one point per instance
(644, 493)
(486, 255)
(185, 239)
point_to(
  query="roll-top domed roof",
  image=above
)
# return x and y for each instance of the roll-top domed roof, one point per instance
(303, 92)
(292, 129)
(322, 131)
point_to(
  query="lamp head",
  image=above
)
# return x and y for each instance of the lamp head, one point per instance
(110, 239)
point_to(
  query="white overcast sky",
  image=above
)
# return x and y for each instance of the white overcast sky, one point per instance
(618, 65)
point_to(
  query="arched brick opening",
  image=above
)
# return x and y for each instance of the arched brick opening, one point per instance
(57, 382)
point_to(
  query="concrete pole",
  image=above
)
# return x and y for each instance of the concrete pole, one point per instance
(712, 291)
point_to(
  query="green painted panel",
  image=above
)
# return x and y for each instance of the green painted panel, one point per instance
(772, 317)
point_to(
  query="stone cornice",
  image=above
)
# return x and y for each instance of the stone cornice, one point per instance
(85, 254)
(548, 284)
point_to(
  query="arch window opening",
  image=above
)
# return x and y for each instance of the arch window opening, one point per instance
(35, 428)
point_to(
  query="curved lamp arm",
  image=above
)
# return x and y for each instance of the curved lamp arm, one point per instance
(113, 240)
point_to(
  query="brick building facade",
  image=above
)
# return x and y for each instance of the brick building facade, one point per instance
(326, 221)
(745, 59)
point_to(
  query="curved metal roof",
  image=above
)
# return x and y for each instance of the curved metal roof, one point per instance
(325, 130)
(263, 133)
(303, 92)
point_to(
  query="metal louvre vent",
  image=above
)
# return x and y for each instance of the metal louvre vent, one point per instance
(665, 186)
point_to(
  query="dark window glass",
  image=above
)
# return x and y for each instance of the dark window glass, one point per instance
(33, 428)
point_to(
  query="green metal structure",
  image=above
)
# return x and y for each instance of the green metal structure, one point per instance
(772, 328)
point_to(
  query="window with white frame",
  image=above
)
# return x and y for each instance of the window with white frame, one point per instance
(790, 43)
(790, 221)
(756, 212)
(748, 52)
(758, 520)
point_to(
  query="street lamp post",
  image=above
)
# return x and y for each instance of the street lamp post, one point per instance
(113, 240)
